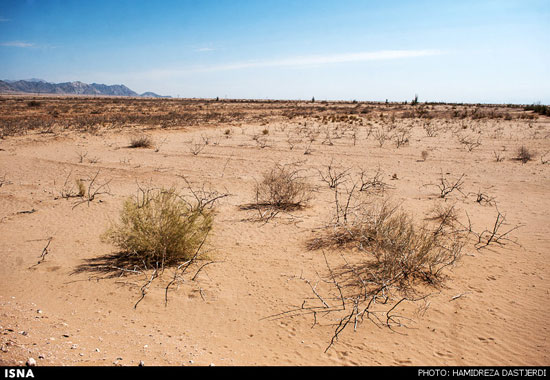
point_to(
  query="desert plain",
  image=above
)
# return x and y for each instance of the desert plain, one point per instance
(262, 295)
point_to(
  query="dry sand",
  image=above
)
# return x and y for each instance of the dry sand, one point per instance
(493, 309)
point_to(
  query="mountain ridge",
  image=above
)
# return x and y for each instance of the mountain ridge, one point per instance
(39, 86)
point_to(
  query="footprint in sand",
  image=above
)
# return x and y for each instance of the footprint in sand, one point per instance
(486, 340)
(403, 361)
(446, 355)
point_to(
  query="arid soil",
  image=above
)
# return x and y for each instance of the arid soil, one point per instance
(243, 308)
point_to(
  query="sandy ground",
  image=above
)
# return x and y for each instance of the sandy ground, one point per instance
(493, 309)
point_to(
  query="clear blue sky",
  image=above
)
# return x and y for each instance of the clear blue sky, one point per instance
(456, 51)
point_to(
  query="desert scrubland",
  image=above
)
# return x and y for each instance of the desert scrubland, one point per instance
(342, 233)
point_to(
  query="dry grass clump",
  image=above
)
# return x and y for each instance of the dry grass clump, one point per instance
(524, 154)
(33, 103)
(160, 228)
(398, 250)
(445, 215)
(283, 188)
(141, 141)
(398, 261)
(69, 190)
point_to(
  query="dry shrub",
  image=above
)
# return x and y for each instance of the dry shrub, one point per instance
(398, 261)
(160, 228)
(69, 190)
(282, 188)
(445, 215)
(524, 154)
(33, 103)
(447, 186)
(141, 141)
(398, 250)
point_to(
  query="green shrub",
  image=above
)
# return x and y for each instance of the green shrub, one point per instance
(160, 228)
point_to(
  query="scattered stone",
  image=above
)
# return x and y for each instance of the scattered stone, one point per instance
(74, 346)
(211, 365)
(97, 350)
(31, 362)
(141, 363)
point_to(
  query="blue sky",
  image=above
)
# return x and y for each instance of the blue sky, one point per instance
(454, 51)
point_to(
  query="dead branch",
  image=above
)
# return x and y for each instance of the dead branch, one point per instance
(446, 187)
(94, 190)
(494, 235)
(333, 176)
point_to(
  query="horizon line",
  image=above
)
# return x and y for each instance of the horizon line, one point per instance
(313, 100)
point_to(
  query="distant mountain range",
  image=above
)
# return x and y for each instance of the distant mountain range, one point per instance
(39, 86)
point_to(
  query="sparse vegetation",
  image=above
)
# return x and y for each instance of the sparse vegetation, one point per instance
(538, 108)
(495, 235)
(283, 188)
(158, 228)
(364, 249)
(447, 186)
(141, 141)
(524, 154)
(470, 142)
(333, 175)
(400, 260)
(197, 147)
(499, 157)
(402, 137)
(34, 103)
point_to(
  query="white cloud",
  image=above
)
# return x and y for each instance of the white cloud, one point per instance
(17, 44)
(329, 59)
(314, 60)
(205, 49)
